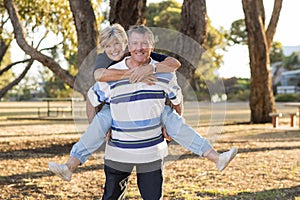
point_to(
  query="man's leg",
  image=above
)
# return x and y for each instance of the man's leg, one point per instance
(116, 180)
(150, 180)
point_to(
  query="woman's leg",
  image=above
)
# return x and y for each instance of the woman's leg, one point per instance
(94, 136)
(187, 137)
(89, 142)
(184, 134)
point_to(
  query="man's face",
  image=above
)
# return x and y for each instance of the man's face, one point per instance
(139, 47)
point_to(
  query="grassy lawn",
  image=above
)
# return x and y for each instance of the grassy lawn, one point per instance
(267, 166)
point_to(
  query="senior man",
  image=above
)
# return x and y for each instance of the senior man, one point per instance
(137, 116)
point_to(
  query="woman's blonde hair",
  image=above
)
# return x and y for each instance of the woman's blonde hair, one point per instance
(115, 31)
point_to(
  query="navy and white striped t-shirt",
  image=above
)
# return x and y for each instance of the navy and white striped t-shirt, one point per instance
(136, 113)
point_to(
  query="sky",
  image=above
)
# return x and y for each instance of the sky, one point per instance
(223, 13)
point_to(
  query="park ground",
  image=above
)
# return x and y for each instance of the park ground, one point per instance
(266, 167)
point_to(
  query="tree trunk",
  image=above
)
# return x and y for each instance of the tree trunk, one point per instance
(259, 43)
(127, 12)
(86, 28)
(193, 26)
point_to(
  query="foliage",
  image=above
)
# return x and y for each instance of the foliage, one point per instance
(237, 89)
(7, 76)
(237, 33)
(56, 88)
(166, 14)
(212, 58)
(241, 95)
(52, 20)
(52, 16)
(276, 53)
(52, 86)
(292, 61)
(287, 97)
(98, 10)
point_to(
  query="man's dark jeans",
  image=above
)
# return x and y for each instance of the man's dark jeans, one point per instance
(149, 179)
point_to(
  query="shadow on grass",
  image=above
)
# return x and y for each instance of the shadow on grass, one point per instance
(41, 152)
(62, 149)
(240, 150)
(277, 193)
(54, 149)
(18, 178)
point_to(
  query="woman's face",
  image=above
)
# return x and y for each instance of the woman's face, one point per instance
(115, 50)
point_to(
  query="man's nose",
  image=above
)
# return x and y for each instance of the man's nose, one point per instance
(139, 46)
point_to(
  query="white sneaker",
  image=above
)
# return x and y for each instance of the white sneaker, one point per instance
(60, 170)
(225, 158)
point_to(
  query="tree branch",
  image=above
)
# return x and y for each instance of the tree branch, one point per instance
(17, 80)
(4, 44)
(13, 64)
(35, 54)
(273, 22)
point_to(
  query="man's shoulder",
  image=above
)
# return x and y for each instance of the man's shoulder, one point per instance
(153, 60)
(119, 65)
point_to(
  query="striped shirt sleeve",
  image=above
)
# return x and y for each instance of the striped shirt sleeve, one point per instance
(175, 94)
(171, 87)
(98, 93)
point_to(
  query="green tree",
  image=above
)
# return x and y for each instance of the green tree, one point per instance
(75, 19)
(292, 62)
(237, 33)
(276, 52)
(167, 14)
(6, 76)
(212, 58)
(35, 17)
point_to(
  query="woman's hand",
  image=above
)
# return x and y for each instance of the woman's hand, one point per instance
(139, 73)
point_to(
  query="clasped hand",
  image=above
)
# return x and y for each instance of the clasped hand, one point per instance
(142, 74)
